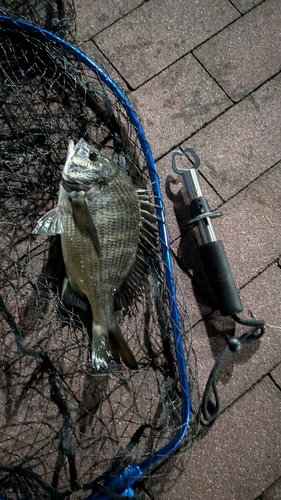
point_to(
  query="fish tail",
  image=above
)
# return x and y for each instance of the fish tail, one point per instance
(120, 347)
(108, 344)
(101, 352)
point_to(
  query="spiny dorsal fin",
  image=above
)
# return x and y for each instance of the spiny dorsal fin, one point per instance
(132, 286)
(149, 219)
(147, 246)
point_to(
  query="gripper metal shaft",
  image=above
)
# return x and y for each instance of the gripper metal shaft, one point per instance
(194, 192)
(212, 251)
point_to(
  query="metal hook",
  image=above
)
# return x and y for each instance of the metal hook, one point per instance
(195, 165)
(201, 213)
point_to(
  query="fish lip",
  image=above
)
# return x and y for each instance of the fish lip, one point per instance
(71, 185)
(70, 178)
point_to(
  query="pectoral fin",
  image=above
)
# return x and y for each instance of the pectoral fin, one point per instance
(83, 219)
(50, 223)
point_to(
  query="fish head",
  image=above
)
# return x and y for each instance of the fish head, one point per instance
(86, 166)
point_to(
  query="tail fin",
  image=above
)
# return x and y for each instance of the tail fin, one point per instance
(101, 352)
(108, 344)
(120, 347)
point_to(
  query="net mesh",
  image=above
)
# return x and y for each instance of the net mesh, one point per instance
(63, 427)
(57, 16)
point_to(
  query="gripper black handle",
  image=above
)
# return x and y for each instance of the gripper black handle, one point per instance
(221, 280)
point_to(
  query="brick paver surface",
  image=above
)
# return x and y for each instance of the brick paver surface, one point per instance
(228, 462)
(243, 142)
(176, 103)
(245, 5)
(247, 53)
(207, 74)
(159, 32)
(276, 374)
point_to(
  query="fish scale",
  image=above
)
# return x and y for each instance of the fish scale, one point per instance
(118, 253)
(104, 222)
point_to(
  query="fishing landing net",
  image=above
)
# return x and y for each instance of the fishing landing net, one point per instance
(65, 430)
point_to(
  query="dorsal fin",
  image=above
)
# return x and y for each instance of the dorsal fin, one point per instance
(147, 246)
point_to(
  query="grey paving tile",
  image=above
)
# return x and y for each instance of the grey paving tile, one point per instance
(276, 373)
(92, 51)
(241, 370)
(237, 458)
(245, 5)
(242, 143)
(246, 53)
(159, 32)
(250, 226)
(93, 16)
(177, 102)
(261, 297)
(273, 492)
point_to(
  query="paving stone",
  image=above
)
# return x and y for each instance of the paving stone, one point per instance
(245, 5)
(276, 373)
(273, 492)
(246, 53)
(93, 16)
(242, 143)
(92, 51)
(176, 103)
(241, 370)
(157, 33)
(261, 297)
(250, 226)
(237, 458)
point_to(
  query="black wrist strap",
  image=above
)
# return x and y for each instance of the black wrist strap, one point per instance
(211, 410)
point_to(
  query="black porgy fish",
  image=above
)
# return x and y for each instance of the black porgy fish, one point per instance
(103, 220)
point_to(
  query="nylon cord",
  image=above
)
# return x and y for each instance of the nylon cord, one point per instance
(210, 411)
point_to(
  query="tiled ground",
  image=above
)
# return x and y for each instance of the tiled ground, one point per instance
(207, 74)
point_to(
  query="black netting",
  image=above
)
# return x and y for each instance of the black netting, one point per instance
(57, 16)
(64, 428)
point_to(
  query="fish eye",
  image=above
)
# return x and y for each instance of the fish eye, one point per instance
(94, 155)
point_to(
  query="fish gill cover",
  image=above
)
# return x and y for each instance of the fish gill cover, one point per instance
(64, 428)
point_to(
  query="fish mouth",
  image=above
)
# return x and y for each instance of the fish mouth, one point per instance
(86, 167)
(78, 170)
(70, 184)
